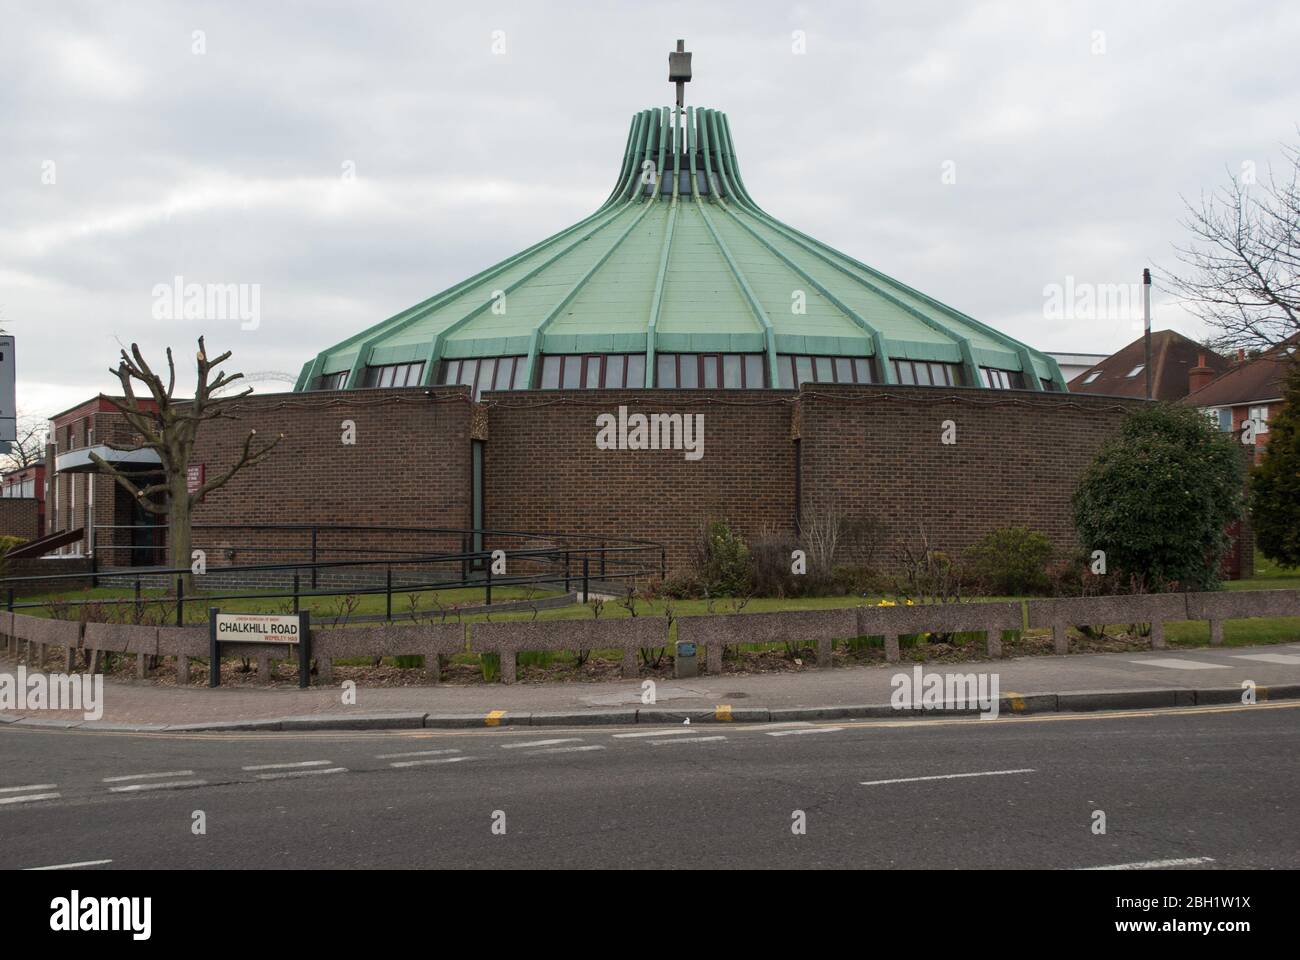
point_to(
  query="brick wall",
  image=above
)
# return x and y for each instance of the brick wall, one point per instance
(1016, 459)
(409, 466)
(543, 471)
(870, 450)
(20, 517)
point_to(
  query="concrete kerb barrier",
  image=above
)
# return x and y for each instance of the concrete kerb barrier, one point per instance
(510, 638)
(715, 632)
(1063, 613)
(990, 619)
(1156, 609)
(1240, 605)
(183, 643)
(136, 640)
(433, 641)
(41, 633)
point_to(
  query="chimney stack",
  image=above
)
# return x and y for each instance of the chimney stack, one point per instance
(1199, 375)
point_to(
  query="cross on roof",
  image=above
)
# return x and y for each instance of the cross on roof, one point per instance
(679, 70)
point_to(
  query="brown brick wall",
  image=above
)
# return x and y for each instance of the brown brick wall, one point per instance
(867, 449)
(1016, 460)
(20, 517)
(409, 467)
(544, 473)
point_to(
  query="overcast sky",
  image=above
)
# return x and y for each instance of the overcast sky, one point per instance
(353, 159)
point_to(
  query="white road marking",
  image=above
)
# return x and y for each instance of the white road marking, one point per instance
(170, 785)
(688, 740)
(71, 866)
(795, 733)
(946, 776)
(29, 798)
(415, 753)
(650, 733)
(299, 773)
(1267, 657)
(283, 766)
(534, 753)
(423, 763)
(1173, 664)
(150, 776)
(540, 743)
(34, 786)
(1154, 864)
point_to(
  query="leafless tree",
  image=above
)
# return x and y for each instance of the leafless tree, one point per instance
(169, 427)
(29, 448)
(1241, 269)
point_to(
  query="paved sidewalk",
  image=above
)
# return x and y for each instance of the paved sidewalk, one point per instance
(1151, 678)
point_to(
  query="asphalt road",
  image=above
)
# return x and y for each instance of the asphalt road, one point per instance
(1203, 787)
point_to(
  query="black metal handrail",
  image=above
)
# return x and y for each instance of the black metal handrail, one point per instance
(630, 558)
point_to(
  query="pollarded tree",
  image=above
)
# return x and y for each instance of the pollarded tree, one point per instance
(1159, 497)
(1275, 483)
(169, 428)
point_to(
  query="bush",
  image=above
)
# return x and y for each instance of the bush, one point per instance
(1275, 483)
(720, 560)
(8, 543)
(1159, 497)
(1010, 561)
(770, 553)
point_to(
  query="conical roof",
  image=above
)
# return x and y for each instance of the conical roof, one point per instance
(680, 259)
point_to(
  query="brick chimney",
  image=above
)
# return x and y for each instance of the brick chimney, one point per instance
(1199, 375)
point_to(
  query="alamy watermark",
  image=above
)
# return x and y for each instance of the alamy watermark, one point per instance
(655, 431)
(55, 691)
(179, 300)
(1092, 301)
(946, 691)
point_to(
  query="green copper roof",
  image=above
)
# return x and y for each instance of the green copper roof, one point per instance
(680, 259)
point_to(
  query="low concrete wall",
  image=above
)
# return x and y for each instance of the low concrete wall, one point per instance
(437, 641)
(431, 641)
(628, 634)
(1157, 609)
(822, 626)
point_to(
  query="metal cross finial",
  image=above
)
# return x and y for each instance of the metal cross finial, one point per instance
(679, 70)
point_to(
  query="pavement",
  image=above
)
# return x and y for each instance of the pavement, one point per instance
(1200, 788)
(1163, 678)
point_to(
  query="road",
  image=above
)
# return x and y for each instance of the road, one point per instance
(1202, 787)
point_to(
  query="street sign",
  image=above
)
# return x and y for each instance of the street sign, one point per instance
(257, 628)
(264, 628)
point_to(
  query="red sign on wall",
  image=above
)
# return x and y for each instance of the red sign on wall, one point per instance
(194, 478)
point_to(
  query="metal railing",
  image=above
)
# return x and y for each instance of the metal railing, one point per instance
(368, 568)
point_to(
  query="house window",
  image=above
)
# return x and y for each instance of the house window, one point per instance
(1136, 370)
(394, 375)
(1091, 377)
(1259, 415)
(996, 379)
(793, 370)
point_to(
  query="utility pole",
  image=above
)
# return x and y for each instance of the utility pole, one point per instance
(1146, 319)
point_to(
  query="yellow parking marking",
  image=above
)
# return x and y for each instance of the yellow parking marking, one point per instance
(1017, 703)
(722, 712)
(493, 719)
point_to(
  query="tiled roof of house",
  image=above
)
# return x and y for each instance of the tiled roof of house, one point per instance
(1258, 379)
(1173, 357)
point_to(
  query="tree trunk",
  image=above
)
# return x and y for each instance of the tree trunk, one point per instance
(178, 526)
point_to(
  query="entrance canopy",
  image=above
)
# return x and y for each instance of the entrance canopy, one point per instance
(79, 461)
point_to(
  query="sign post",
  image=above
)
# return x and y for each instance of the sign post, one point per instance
(259, 628)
